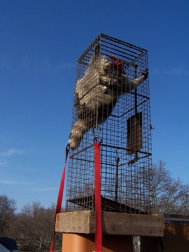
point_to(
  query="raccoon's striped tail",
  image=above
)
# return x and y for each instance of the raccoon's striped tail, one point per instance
(78, 130)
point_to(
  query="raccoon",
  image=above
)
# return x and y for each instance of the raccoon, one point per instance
(97, 93)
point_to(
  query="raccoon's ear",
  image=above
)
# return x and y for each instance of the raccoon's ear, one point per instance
(96, 55)
(97, 50)
(93, 59)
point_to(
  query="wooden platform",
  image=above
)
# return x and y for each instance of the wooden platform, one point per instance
(82, 222)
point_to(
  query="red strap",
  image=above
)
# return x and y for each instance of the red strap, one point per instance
(98, 217)
(59, 199)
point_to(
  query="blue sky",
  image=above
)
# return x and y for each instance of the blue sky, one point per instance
(40, 43)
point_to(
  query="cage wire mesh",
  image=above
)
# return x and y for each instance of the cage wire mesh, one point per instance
(123, 123)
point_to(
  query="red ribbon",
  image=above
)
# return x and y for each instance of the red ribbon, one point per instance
(98, 215)
(59, 199)
(117, 62)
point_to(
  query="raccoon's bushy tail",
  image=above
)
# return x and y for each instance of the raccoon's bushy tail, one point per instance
(78, 130)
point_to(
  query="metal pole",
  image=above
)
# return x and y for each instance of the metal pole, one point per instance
(116, 182)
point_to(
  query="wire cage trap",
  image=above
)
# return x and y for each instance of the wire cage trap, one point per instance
(111, 101)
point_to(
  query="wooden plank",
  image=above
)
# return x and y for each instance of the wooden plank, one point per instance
(74, 222)
(112, 223)
(133, 224)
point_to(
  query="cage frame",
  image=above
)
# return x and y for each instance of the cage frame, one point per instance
(139, 180)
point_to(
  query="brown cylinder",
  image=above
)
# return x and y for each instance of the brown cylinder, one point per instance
(86, 243)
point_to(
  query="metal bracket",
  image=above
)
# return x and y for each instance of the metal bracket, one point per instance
(96, 137)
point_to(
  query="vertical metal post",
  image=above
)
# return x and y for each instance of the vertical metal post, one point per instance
(136, 105)
(135, 72)
(136, 244)
(116, 181)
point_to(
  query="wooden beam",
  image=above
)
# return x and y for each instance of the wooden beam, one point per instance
(112, 223)
(75, 222)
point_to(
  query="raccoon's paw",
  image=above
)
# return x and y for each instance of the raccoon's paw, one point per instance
(145, 73)
(72, 144)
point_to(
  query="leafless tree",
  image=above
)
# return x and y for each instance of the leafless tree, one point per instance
(7, 211)
(34, 228)
(170, 195)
